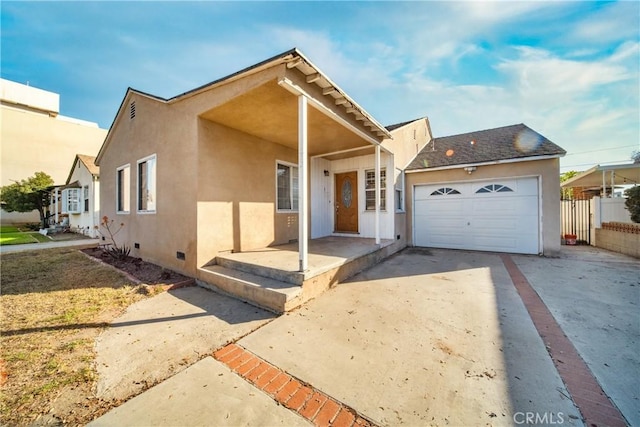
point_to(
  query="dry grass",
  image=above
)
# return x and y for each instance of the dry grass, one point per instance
(54, 304)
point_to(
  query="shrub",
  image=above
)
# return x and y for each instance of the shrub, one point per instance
(633, 202)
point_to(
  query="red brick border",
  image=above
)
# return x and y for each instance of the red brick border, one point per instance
(595, 406)
(310, 403)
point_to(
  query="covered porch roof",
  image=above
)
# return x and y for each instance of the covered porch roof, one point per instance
(336, 123)
(610, 175)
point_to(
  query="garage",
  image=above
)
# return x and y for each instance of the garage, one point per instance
(501, 215)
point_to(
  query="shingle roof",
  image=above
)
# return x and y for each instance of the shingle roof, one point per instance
(89, 163)
(504, 143)
(399, 125)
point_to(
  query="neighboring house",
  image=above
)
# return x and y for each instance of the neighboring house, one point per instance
(491, 190)
(80, 196)
(35, 137)
(218, 169)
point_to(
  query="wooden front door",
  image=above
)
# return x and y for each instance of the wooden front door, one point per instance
(346, 201)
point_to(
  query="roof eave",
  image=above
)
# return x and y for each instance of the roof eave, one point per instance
(490, 163)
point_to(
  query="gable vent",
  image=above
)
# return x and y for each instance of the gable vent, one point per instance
(132, 110)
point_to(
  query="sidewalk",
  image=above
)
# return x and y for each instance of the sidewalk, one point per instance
(80, 243)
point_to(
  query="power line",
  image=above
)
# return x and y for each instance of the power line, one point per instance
(602, 149)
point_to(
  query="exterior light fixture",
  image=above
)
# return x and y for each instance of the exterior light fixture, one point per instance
(470, 169)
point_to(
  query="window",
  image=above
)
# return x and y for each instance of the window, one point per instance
(123, 185)
(370, 189)
(287, 187)
(445, 191)
(494, 188)
(85, 192)
(399, 191)
(147, 184)
(71, 200)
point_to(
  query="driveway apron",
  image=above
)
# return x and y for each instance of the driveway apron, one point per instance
(428, 337)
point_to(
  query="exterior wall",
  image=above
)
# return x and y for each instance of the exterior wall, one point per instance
(324, 189)
(51, 141)
(86, 222)
(407, 141)
(548, 170)
(237, 192)
(156, 129)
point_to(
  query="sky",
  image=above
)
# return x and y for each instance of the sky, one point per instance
(567, 69)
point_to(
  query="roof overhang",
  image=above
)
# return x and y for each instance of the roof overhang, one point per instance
(626, 173)
(494, 162)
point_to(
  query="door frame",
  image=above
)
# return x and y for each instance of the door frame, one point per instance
(336, 198)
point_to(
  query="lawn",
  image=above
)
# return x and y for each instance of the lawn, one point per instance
(54, 304)
(13, 236)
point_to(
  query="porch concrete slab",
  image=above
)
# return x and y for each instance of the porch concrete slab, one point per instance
(162, 335)
(427, 337)
(324, 254)
(594, 296)
(205, 394)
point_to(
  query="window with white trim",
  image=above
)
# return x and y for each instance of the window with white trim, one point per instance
(85, 196)
(286, 187)
(370, 189)
(399, 191)
(123, 185)
(147, 184)
(71, 200)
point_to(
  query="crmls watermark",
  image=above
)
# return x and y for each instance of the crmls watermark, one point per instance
(533, 418)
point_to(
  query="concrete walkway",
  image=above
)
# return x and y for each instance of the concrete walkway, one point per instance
(428, 337)
(80, 244)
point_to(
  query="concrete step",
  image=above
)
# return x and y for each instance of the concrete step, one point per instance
(292, 277)
(258, 290)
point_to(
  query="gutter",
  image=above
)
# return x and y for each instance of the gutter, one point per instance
(494, 162)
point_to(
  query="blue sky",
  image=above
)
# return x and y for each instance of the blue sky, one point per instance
(569, 70)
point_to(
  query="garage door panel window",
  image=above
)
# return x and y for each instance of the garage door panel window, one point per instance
(494, 188)
(445, 191)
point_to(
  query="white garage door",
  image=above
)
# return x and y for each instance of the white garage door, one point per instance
(498, 215)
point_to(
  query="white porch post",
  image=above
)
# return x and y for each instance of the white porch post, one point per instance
(303, 217)
(377, 214)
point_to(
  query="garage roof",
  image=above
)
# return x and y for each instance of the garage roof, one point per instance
(486, 146)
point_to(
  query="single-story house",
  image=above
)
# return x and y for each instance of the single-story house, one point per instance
(491, 190)
(81, 196)
(275, 155)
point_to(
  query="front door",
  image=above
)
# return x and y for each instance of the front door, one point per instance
(346, 196)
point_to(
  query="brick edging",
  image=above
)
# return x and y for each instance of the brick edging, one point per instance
(302, 398)
(594, 405)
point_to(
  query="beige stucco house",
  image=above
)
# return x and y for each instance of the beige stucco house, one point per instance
(273, 177)
(35, 137)
(218, 169)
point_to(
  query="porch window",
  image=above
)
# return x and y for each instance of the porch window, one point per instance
(85, 193)
(287, 187)
(147, 185)
(71, 200)
(123, 181)
(370, 189)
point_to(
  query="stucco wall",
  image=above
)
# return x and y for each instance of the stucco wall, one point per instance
(33, 142)
(407, 141)
(547, 169)
(172, 138)
(237, 192)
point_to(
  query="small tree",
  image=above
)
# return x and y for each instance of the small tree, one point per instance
(633, 202)
(567, 193)
(28, 195)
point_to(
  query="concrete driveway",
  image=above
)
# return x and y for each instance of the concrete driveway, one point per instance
(427, 337)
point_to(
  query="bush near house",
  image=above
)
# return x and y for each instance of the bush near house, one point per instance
(633, 202)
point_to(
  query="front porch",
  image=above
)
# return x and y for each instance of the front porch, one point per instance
(270, 277)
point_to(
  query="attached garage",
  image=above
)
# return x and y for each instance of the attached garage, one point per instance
(494, 190)
(498, 215)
